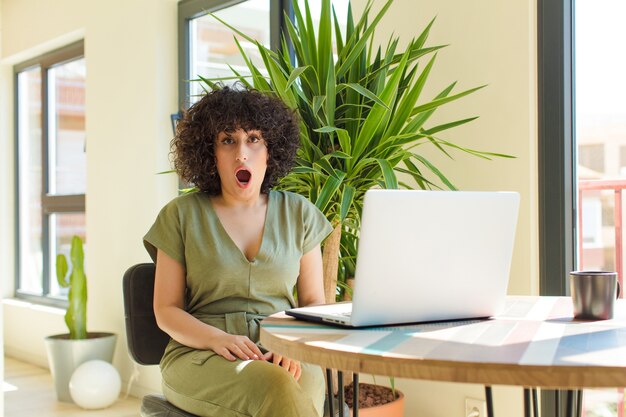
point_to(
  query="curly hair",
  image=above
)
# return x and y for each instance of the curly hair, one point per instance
(225, 110)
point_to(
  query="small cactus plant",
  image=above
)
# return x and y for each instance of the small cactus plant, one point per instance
(76, 280)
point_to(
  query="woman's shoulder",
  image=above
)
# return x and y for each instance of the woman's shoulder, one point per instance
(291, 199)
(289, 196)
(187, 201)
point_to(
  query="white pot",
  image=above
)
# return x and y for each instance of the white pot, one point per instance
(65, 355)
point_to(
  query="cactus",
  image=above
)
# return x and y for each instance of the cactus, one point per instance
(76, 280)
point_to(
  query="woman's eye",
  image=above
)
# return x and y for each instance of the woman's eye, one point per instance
(227, 141)
(254, 139)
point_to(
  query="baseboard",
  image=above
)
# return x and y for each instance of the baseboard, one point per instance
(19, 354)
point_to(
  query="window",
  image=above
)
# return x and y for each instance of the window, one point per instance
(51, 167)
(207, 47)
(581, 157)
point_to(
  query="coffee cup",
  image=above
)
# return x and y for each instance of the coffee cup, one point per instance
(593, 294)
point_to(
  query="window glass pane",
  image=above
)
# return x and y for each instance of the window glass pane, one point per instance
(600, 142)
(213, 47)
(63, 226)
(66, 149)
(600, 129)
(29, 174)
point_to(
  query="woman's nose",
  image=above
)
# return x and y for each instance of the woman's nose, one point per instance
(241, 155)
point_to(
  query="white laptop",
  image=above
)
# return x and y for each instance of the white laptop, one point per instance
(427, 256)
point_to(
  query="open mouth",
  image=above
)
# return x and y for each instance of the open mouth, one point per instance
(243, 176)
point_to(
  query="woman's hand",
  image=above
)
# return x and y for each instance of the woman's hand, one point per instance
(290, 365)
(232, 347)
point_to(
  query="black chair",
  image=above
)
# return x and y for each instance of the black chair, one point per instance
(146, 341)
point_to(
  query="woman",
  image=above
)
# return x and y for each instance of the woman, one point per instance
(231, 254)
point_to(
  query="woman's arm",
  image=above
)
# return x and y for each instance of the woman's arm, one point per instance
(169, 304)
(310, 283)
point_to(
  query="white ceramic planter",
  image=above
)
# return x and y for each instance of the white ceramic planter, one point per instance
(65, 355)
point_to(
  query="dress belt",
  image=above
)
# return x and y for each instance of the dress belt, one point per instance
(240, 322)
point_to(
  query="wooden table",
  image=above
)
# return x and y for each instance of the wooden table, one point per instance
(534, 343)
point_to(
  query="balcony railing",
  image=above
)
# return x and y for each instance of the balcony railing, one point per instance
(617, 186)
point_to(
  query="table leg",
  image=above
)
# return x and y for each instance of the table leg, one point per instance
(355, 392)
(526, 402)
(340, 391)
(569, 410)
(535, 403)
(557, 403)
(331, 393)
(579, 403)
(489, 401)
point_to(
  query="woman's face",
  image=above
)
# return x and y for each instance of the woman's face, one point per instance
(241, 162)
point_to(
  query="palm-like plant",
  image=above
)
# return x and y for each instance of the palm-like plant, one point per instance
(362, 116)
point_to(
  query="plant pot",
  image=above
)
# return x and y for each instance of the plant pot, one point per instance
(394, 408)
(65, 355)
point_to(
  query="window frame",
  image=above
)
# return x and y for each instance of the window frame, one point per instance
(556, 153)
(556, 148)
(50, 204)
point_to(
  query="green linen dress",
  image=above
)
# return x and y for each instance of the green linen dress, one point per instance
(226, 290)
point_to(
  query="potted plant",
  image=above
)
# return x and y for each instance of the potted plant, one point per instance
(376, 400)
(363, 118)
(67, 351)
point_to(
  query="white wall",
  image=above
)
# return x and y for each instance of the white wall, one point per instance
(490, 42)
(130, 49)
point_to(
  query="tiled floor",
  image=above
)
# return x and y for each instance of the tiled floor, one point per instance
(29, 392)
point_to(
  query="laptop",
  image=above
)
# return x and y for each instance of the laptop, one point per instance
(427, 256)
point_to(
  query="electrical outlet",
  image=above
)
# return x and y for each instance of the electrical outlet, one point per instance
(475, 408)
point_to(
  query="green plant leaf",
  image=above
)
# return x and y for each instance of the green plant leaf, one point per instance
(326, 166)
(305, 170)
(474, 152)
(417, 122)
(296, 74)
(391, 182)
(326, 129)
(259, 80)
(338, 154)
(408, 101)
(355, 51)
(364, 92)
(435, 171)
(208, 82)
(307, 31)
(324, 45)
(438, 102)
(377, 118)
(446, 126)
(347, 197)
(330, 91)
(61, 269)
(242, 78)
(338, 38)
(329, 189)
(318, 102)
(279, 79)
(414, 171)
